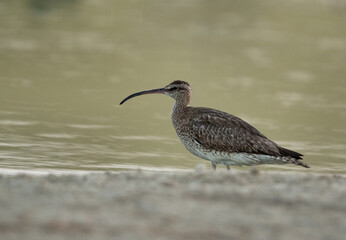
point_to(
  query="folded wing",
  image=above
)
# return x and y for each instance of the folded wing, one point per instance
(216, 130)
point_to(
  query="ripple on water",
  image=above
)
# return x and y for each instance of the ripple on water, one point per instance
(116, 166)
(57, 135)
(8, 171)
(8, 113)
(17, 123)
(299, 76)
(288, 99)
(16, 144)
(89, 126)
(143, 138)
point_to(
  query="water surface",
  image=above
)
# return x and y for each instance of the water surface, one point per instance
(66, 65)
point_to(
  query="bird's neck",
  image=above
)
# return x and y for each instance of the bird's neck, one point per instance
(183, 100)
(179, 111)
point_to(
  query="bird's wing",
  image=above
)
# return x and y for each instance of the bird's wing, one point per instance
(216, 130)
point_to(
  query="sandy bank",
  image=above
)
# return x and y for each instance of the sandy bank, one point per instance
(193, 205)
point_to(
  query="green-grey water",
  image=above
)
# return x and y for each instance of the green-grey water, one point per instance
(66, 65)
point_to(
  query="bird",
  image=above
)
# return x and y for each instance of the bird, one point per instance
(220, 137)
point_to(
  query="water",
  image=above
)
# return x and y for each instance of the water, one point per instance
(66, 65)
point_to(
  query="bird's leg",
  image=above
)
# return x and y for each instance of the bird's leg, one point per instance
(214, 165)
(228, 168)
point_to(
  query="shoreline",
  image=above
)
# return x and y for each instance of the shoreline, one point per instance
(200, 204)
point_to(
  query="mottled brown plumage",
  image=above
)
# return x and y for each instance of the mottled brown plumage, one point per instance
(218, 136)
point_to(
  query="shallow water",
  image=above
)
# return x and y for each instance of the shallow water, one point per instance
(66, 65)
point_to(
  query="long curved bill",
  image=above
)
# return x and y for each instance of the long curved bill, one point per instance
(158, 90)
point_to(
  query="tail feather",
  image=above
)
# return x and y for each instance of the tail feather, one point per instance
(298, 162)
(294, 157)
(289, 153)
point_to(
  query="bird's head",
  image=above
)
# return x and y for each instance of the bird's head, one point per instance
(178, 90)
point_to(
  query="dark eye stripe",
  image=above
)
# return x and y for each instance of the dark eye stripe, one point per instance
(173, 88)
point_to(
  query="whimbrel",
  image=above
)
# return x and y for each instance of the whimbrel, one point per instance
(219, 137)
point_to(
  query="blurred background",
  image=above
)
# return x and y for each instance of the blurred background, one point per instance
(66, 64)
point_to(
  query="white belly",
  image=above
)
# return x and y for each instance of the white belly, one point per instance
(229, 159)
(236, 159)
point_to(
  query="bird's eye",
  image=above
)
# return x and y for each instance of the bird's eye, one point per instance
(173, 89)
